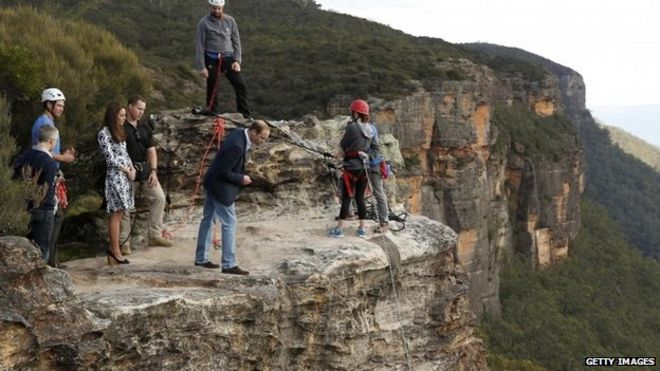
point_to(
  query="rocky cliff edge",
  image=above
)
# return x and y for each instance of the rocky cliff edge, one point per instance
(392, 301)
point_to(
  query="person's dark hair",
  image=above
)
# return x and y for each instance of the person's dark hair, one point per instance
(136, 98)
(110, 120)
(361, 116)
(45, 104)
(259, 126)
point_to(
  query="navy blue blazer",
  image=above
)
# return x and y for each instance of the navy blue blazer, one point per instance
(223, 179)
(39, 161)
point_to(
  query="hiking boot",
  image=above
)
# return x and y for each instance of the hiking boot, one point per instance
(361, 233)
(235, 270)
(336, 232)
(126, 248)
(160, 241)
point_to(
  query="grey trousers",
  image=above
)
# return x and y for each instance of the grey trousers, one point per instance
(377, 188)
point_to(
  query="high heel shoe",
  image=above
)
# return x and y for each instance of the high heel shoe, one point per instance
(112, 259)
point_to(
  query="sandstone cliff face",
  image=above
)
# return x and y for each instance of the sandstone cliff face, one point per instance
(494, 199)
(319, 304)
(392, 302)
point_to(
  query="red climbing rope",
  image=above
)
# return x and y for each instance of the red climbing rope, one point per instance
(214, 92)
(218, 134)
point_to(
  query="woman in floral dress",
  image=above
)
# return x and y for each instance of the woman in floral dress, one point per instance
(119, 175)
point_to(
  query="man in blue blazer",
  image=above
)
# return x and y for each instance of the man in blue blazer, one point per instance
(222, 183)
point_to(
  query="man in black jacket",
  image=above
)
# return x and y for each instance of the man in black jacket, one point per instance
(222, 184)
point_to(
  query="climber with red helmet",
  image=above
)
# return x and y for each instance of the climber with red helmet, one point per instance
(354, 144)
(53, 100)
(218, 50)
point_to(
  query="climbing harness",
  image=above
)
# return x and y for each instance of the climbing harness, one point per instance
(397, 221)
(350, 178)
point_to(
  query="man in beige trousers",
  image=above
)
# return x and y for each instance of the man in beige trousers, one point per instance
(142, 151)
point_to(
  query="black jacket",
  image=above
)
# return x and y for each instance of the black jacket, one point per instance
(354, 140)
(40, 162)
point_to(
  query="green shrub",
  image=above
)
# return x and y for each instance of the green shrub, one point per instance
(551, 138)
(412, 162)
(296, 56)
(627, 187)
(89, 202)
(601, 301)
(13, 216)
(87, 63)
(513, 61)
(498, 362)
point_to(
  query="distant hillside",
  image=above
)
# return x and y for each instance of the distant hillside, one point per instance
(641, 121)
(296, 56)
(603, 300)
(626, 186)
(644, 151)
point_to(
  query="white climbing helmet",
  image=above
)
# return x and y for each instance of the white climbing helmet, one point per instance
(52, 94)
(217, 2)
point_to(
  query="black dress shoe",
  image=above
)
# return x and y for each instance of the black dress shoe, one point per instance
(235, 270)
(208, 265)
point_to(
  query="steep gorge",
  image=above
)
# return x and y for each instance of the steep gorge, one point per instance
(458, 164)
(495, 192)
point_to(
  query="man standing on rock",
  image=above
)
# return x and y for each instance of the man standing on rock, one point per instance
(53, 100)
(218, 50)
(222, 183)
(142, 151)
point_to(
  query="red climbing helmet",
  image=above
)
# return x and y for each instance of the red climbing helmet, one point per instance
(360, 106)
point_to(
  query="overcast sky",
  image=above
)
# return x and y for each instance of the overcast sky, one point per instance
(614, 45)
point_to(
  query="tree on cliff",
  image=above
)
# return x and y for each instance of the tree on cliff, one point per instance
(290, 64)
(602, 301)
(13, 216)
(89, 64)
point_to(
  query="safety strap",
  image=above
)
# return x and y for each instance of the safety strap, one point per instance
(217, 84)
(349, 180)
(61, 192)
(352, 154)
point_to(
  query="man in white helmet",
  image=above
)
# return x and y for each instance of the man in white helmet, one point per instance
(218, 46)
(52, 100)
